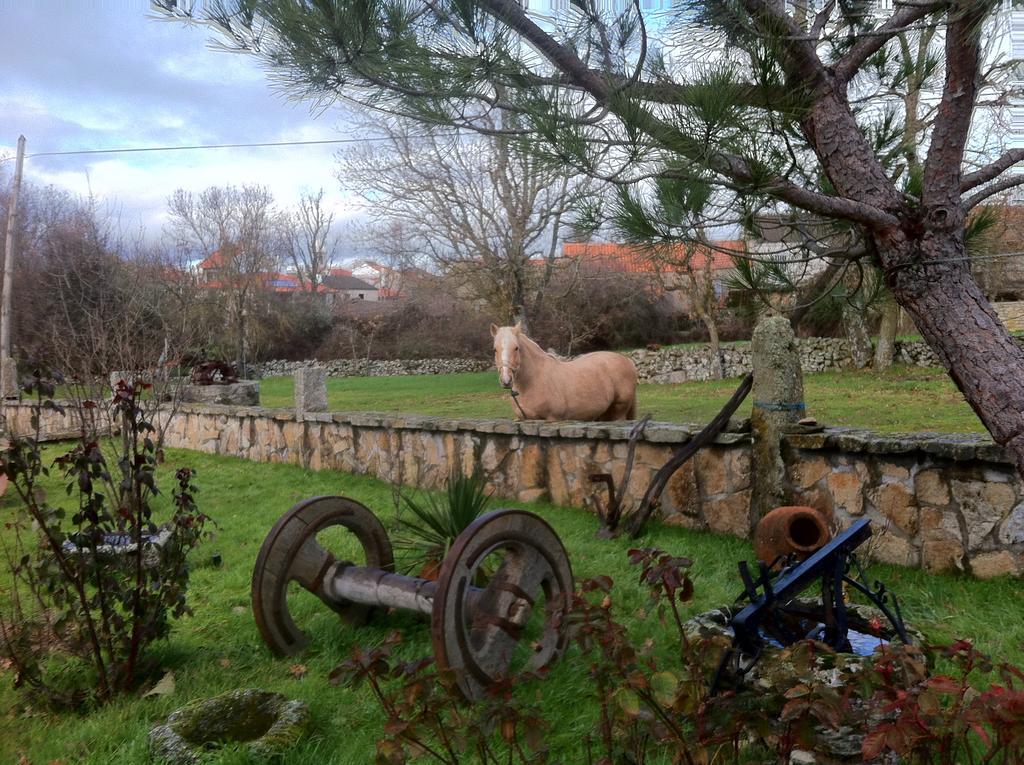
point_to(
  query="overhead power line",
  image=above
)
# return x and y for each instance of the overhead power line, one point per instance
(137, 149)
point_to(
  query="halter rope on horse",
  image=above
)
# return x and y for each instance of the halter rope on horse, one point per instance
(515, 393)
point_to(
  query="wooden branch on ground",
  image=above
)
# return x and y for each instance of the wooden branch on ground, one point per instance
(639, 519)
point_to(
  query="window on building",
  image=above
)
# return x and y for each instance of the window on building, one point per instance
(362, 296)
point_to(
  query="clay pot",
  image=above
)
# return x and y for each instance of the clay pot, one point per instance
(789, 530)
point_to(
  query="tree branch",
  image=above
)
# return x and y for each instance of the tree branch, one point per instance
(868, 45)
(1003, 184)
(943, 166)
(993, 170)
(731, 166)
(802, 62)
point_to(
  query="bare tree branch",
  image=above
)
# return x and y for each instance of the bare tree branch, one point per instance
(992, 170)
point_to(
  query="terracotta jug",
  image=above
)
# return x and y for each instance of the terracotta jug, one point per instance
(794, 529)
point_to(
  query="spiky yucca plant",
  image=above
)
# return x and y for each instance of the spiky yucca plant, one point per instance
(427, 534)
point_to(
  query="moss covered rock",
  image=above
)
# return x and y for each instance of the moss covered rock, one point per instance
(265, 724)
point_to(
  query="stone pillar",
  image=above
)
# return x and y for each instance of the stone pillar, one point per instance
(778, 395)
(310, 390)
(8, 378)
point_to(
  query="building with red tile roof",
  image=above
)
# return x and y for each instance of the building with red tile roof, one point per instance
(664, 268)
(675, 258)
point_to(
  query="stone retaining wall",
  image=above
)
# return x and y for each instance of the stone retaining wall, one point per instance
(947, 502)
(666, 365)
(940, 502)
(53, 425)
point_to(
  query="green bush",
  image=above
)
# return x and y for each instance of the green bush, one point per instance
(95, 579)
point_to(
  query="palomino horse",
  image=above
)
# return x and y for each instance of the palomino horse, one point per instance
(595, 386)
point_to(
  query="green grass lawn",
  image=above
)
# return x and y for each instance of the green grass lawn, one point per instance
(219, 649)
(901, 399)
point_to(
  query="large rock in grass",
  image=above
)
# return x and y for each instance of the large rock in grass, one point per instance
(241, 393)
(265, 724)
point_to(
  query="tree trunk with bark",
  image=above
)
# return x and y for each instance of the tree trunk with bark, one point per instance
(936, 288)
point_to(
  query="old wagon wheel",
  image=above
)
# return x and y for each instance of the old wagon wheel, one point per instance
(291, 552)
(488, 620)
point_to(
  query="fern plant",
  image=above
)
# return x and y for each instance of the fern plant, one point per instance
(433, 524)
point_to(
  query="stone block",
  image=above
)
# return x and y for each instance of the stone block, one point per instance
(992, 564)
(1000, 495)
(490, 457)
(530, 427)
(532, 468)
(738, 461)
(894, 472)
(982, 506)
(1011, 532)
(684, 521)
(573, 430)
(666, 434)
(942, 554)
(847, 492)
(711, 473)
(531, 495)
(931, 488)
(310, 389)
(558, 487)
(241, 393)
(646, 455)
(936, 522)
(897, 504)
(729, 515)
(9, 378)
(889, 547)
(681, 492)
(808, 472)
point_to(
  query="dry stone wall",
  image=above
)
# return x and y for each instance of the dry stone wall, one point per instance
(666, 365)
(817, 354)
(944, 503)
(374, 367)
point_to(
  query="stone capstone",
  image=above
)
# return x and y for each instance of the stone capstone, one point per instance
(266, 725)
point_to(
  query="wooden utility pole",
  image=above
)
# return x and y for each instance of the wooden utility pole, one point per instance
(8, 370)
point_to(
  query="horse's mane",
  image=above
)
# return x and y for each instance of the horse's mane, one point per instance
(557, 356)
(549, 352)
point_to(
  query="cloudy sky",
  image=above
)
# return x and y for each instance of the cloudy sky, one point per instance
(101, 74)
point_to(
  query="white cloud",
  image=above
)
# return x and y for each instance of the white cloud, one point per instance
(110, 76)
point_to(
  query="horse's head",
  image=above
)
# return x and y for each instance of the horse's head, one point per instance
(506, 353)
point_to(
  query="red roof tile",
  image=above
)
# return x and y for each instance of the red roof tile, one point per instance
(217, 259)
(636, 259)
